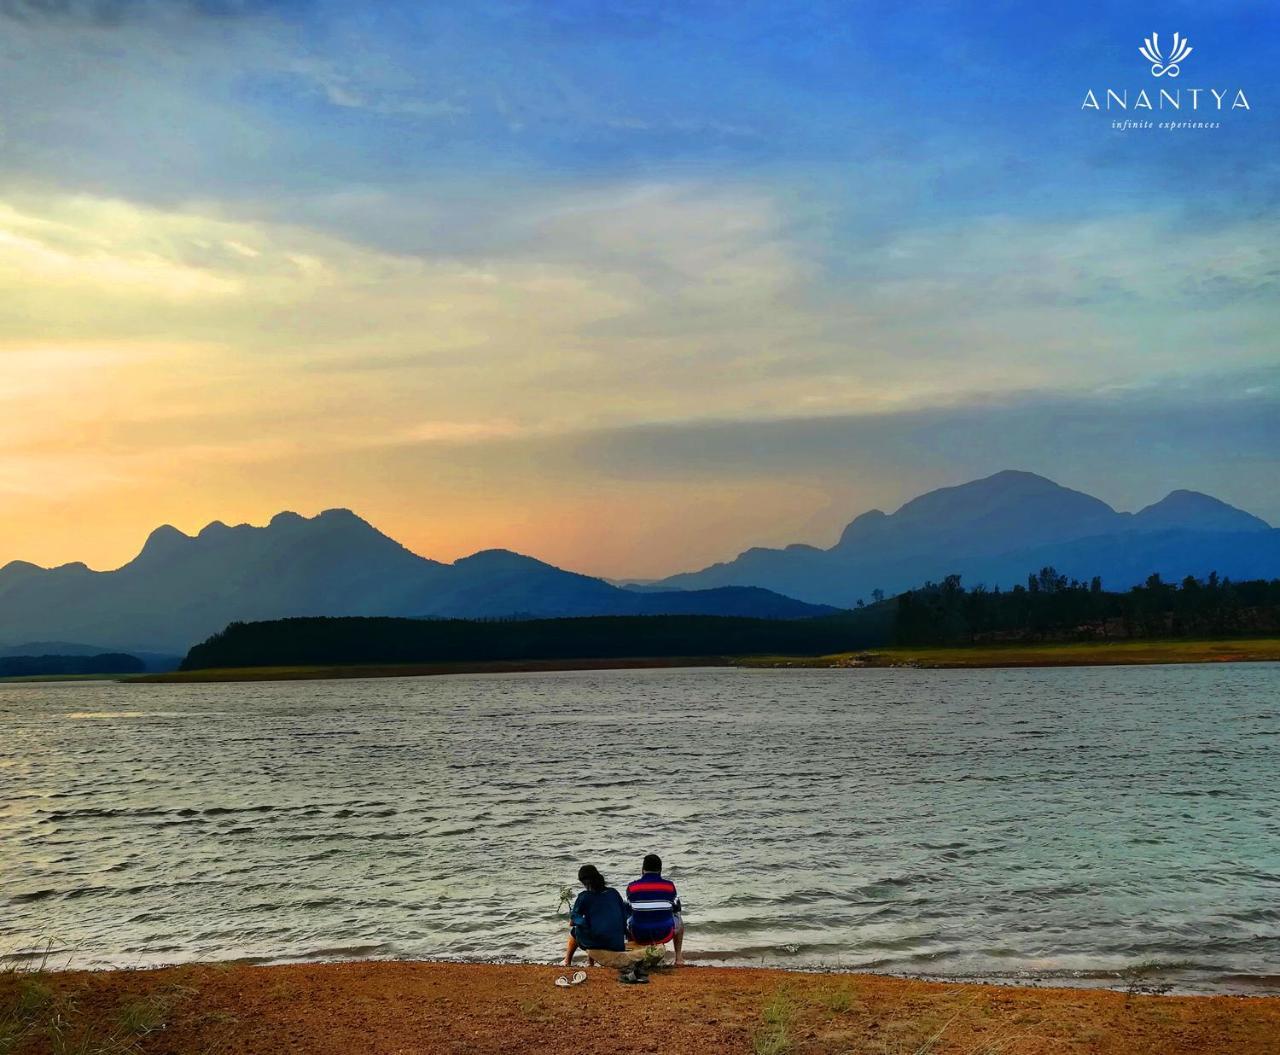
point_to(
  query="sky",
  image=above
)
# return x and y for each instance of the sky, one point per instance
(628, 287)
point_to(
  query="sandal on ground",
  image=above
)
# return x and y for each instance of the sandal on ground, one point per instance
(578, 978)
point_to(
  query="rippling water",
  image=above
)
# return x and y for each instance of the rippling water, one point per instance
(1058, 824)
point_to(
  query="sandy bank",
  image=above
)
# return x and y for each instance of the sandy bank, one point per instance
(1046, 654)
(1074, 654)
(399, 1008)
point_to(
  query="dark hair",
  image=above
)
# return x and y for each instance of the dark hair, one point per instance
(589, 876)
(652, 863)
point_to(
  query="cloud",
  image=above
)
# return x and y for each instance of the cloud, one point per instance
(376, 90)
(801, 479)
(696, 343)
(1208, 415)
(111, 13)
(636, 304)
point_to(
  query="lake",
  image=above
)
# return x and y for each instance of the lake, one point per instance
(1059, 825)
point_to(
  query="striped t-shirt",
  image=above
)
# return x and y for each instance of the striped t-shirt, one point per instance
(654, 903)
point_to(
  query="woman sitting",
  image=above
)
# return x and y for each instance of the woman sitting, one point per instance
(599, 927)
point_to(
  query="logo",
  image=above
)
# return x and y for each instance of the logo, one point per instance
(1178, 108)
(1162, 66)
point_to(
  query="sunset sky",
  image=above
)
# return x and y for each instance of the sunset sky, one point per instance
(628, 287)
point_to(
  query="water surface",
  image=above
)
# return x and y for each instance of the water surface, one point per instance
(1058, 824)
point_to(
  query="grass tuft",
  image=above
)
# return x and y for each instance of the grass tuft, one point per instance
(773, 1037)
(838, 1000)
(37, 1015)
(152, 1012)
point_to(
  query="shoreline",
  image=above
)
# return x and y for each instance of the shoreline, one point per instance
(1141, 652)
(419, 670)
(969, 657)
(1143, 979)
(433, 1006)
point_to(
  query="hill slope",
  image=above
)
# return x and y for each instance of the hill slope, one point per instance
(996, 530)
(181, 588)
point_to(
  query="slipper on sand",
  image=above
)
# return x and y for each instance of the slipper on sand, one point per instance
(578, 978)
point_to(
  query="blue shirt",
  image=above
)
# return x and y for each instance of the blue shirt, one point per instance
(600, 920)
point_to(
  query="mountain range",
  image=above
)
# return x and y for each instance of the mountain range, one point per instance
(996, 530)
(180, 588)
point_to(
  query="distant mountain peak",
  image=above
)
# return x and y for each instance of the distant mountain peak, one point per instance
(162, 541)
(328, 519)
(861, 527)
(997, 512)
(498, 558)
(1008, 485)
(1196, 511)
(165, 533)
(1012, 483)
(1015, 476)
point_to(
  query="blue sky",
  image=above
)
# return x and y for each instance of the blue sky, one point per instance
(475, 257)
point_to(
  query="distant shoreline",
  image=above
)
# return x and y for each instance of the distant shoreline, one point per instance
(418, 670)
(1067, 654)
(486, 1009)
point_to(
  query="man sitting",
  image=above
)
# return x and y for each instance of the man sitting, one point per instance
(655, 909)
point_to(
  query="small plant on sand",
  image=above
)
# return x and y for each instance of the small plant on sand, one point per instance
(565, 902)
(773, 1037)
(838, 999)
(654, 956)
(151, 1012)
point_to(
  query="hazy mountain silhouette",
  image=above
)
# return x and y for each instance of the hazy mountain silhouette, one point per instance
(1193, 511)
(995, 531)
(154, 661)
(180, 589)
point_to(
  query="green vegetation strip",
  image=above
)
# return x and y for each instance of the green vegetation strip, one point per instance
(1065, 654)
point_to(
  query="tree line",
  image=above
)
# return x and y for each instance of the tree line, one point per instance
(1049, 607)
(1052, 607)
(343, 640)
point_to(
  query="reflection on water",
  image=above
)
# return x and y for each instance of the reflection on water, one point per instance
(105, 714)
(1060, 823)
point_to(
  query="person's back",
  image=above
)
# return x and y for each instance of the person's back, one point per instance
(655, 908)
(599, 928)
(600, 920)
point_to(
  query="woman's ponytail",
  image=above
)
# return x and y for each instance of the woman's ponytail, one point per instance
(589, 876)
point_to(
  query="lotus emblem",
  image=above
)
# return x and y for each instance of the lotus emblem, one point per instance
(1162, 65)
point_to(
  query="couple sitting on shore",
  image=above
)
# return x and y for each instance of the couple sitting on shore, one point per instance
(603, 923)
